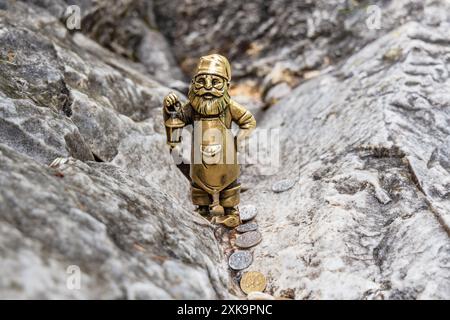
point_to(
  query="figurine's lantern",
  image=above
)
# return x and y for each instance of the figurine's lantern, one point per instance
(174, 127)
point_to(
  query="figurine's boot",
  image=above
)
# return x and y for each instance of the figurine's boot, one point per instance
(230, 196)
(229, 199)
(215, 208)
(232, 218)
(200, 197)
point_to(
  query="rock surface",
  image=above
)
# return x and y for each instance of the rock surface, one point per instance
(282, 42)
(369, 218)
(363, 118)
(123, 219)
(125, 235)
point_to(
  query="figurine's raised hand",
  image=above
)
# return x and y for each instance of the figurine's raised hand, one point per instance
(170, 102)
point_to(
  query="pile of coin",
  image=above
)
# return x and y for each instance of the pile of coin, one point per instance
(248, 237)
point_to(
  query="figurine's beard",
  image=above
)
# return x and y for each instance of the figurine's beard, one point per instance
(209, 107)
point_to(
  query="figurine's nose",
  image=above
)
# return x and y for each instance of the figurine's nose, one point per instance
(208, 83)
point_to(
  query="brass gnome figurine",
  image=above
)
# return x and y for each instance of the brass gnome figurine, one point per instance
(214, 169)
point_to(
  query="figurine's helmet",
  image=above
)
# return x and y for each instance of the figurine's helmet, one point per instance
(214, 64)
(209, 96)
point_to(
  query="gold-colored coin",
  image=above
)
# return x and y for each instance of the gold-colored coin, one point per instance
(253, 281)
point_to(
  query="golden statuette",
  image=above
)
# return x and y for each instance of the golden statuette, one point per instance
(253, 281)
(214, 169)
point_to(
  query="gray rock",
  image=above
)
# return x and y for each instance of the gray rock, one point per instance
(277, 92)
(370, 219)
(258, 35)
(129, 28)
(128, 239)
(125, 220)
(367, 135)
(88, 91)
(154, 52)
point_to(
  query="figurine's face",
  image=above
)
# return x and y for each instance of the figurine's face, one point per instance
(208, 94)
(209, 86)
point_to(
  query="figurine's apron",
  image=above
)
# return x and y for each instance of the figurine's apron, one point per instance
(214, 159)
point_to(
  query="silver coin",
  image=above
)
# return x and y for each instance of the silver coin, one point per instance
(240, 260)
(248, 212)
(283, 185)
(248, 239)
(246, 227)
